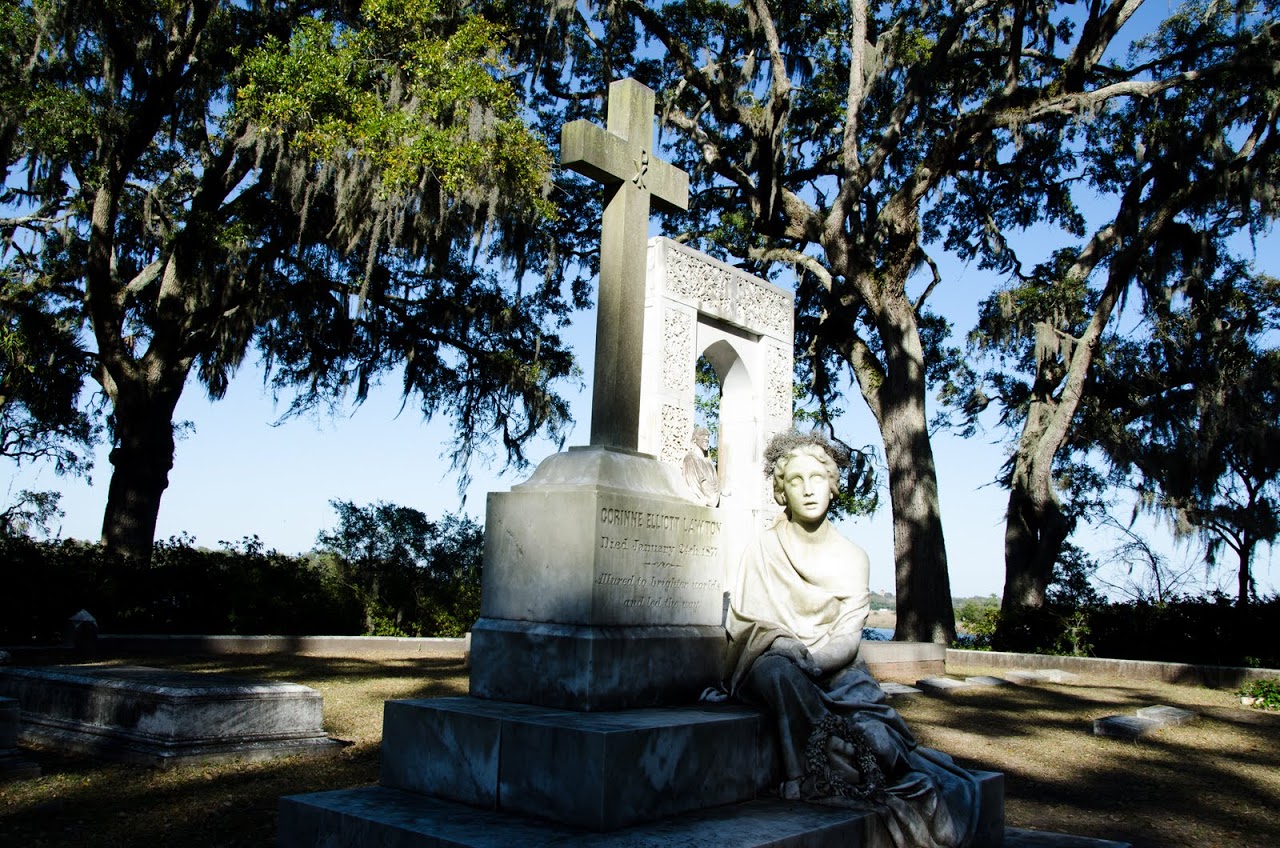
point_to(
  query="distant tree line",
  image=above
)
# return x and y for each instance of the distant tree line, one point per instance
(384, 570)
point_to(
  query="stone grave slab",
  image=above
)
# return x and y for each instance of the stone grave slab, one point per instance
(161, 717)
(1124, 727)
(1030, 677)
(986, 680)
(13, 766)
(1020, 838)
(942, 685)
(1168, 716)
(897, 690)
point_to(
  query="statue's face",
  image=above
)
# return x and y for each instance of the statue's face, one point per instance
(807, 489)
(701, 438)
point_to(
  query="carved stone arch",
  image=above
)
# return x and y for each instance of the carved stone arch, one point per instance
(696, 305)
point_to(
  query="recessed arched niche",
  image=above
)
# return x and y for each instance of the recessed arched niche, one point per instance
(697, 307)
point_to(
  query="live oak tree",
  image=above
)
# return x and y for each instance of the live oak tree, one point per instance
(847, 141)
(1180, 172)
(1201, 439)
(346, 188)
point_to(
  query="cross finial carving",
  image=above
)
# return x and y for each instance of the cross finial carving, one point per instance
(621, 157)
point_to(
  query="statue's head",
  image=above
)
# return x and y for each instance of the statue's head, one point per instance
(788, 446)
(701, 437)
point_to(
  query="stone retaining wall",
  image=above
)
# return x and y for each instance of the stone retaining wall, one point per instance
(964, 661)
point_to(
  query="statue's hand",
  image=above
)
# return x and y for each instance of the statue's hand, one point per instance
(794, 650)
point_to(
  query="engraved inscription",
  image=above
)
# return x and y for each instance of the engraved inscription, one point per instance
(658, 566)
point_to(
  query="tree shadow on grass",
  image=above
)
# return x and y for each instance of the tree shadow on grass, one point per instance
(1212, 782)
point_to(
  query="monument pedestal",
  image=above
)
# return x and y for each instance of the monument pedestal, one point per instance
(469, 772)
(603, 587)
(590, 668)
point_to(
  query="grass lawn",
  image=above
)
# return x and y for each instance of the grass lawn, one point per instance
(1215, 782)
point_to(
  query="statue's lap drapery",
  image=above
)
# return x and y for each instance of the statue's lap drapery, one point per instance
(840, 743)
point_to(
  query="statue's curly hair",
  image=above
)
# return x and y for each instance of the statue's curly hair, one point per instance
(833, 455)
(788, 440)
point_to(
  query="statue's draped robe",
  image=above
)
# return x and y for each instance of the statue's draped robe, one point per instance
(929, 801)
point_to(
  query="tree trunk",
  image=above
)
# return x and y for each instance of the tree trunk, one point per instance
(141, 460)
(923, 585)
(1244, 579)
(1034, 532)
(920, 555)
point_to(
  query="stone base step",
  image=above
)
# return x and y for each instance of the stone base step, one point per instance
(391, 818)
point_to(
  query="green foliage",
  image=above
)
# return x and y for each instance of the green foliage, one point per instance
(347, 188)
(385, 570)
(978, 618)
(1265, 692)
(413, 576)
(443, 109)
(42, 367)
(30, 513)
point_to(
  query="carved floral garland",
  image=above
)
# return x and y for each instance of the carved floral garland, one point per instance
(818, 766)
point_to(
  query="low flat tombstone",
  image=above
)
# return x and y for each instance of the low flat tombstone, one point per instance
(1168, 716)
(1124, 726)
(942, 685)
(161, 717)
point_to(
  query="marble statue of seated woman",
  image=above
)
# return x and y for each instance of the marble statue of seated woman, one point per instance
(797, 609)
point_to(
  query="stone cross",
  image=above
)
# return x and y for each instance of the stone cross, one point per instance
(621, 158)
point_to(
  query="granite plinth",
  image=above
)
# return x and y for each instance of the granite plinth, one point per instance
(600, 771)
(391, 818)
(593, 668)
(161, 717)
(1168, 716)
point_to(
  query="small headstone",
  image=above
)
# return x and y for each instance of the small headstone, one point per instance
(897, 690)
(81, 632)
(1057, 675)
(986, 680)
(1124, 727)
(942, 685)
(1168, 716)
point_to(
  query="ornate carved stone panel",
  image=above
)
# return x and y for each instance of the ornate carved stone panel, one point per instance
(677, 424)
(677, 344)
